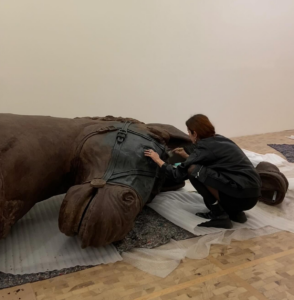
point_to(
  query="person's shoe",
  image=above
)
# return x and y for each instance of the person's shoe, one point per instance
(208, 215)
(239, 217)
(221, 221)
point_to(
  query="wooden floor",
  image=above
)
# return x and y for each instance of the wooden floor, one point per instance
(260, 268)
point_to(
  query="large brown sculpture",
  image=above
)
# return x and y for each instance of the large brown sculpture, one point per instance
(97, 162)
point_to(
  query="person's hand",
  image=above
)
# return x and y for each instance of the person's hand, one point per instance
(152, 154)
(181, 152)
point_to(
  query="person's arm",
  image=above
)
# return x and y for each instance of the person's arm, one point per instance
(178, 174)
(201, 155)
(181, 152)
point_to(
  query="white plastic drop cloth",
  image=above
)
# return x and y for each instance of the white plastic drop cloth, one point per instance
(35, 244)
(180, 208)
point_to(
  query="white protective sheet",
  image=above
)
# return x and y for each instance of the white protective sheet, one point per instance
(180, 208)
(35, 244)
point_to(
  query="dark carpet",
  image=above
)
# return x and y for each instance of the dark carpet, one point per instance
(286, 150)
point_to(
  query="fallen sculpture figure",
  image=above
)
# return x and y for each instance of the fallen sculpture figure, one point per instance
(98, 162)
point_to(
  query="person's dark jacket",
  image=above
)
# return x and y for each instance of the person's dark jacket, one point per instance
(220, 164)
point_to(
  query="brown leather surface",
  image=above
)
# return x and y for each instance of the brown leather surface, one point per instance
(273, 181)
(44, 156)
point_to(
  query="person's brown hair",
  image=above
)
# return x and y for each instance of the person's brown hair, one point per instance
(202, 126)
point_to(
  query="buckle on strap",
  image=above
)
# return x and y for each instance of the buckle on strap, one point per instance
(121, 135)
(98, 183)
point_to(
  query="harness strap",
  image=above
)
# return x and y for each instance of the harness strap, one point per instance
(121, 136)
(109, 173)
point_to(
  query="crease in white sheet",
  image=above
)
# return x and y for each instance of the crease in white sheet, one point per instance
(256, 158)
(160, 261)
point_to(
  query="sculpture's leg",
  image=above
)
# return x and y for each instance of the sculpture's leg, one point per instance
(5, 224)
(11, 211)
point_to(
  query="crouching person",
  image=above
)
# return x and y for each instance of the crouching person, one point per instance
(220, 172)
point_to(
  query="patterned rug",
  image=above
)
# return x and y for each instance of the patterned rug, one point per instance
(150, 230)
(286, 150)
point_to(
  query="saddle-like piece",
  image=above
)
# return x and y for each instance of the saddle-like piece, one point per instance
(274, 183)
(115, 197)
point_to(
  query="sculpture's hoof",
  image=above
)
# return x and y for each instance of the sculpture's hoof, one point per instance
(99, 216)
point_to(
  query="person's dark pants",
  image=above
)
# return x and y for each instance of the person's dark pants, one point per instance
(231, 205)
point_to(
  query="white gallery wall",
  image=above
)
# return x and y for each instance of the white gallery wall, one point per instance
(154, 60)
